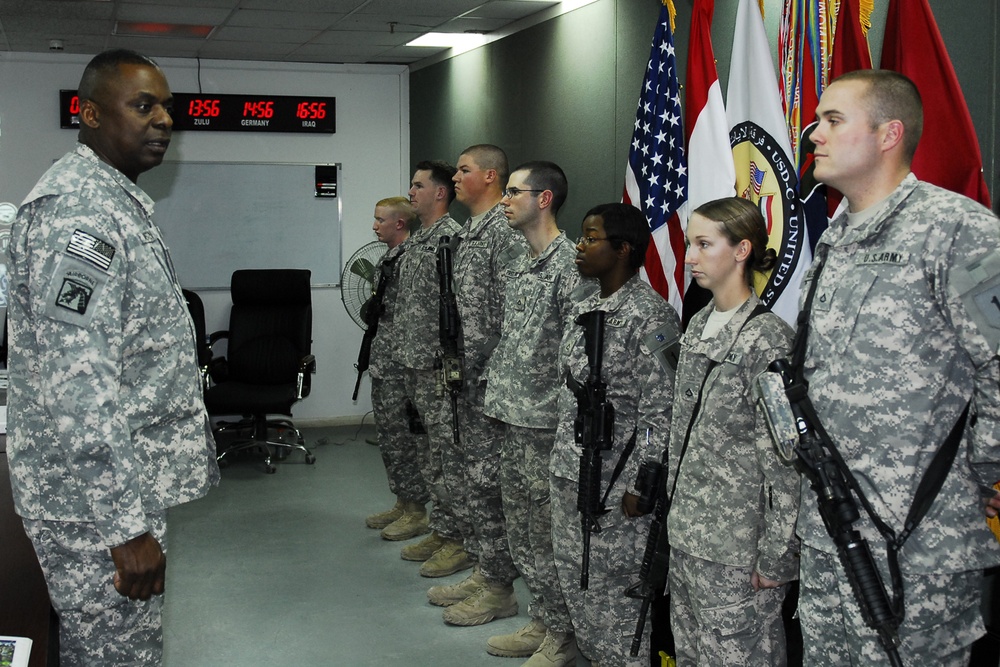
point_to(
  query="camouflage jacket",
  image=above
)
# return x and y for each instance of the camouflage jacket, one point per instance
(381, 363)
(106, 418)
(730, 460)
(893, 358)
(480, 264)
(638, 386)
(419, 298)
(524, 376)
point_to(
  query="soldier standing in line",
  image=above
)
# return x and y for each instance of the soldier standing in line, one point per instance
(901, 343)
(431, 192)
(107, 426)
(726, 577)
(486, 245)
(640, 387)
(400, 448)
(524, 383)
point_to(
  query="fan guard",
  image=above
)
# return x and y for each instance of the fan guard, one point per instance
(357, 284)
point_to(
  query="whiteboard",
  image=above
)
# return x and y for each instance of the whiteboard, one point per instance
(217, 217)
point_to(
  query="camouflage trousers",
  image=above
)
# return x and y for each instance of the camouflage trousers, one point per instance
(98, 627)
(421, 390)
(941, 621)
(524, 481)
(717, 618)
(604, 619)
(473, 470)
(401, 450)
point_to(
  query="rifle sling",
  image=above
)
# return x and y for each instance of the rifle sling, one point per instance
(933, 478)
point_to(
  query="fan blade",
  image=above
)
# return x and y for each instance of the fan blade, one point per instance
(364, 268)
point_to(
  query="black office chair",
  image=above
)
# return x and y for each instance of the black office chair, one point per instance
(203, 349)
(268, 365)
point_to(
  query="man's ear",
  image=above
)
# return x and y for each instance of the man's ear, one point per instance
(90, 114)
(893, 134)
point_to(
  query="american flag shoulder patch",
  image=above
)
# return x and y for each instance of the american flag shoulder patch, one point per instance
(91, 249)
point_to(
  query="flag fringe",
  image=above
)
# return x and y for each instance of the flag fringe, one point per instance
(865, 9)
(669, 4)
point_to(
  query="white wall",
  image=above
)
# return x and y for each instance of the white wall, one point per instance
(371, 143)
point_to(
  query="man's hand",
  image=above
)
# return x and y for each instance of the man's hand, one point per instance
(630, 505)
(758, 582)
(992, 504)
(140, 567)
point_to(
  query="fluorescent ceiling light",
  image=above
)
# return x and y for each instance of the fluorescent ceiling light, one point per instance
(456, 40)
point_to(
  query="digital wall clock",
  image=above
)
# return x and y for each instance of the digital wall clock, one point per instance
(233, 113)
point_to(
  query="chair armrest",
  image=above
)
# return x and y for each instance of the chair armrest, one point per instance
(216, 336)
(307, 366)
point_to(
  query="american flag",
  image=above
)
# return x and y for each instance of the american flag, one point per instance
(656, 175)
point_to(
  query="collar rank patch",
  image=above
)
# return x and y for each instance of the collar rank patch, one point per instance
(74, 295)
(91, 249)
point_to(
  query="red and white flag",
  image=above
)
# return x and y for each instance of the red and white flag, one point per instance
(711, 173)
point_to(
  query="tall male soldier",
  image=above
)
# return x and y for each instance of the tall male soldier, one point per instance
(898, 346)
(472, 468)
(107, 424)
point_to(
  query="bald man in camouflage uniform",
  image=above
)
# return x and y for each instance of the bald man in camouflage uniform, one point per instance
(897, 348)
(107, 427)
(640, 387)
(401, 449)
(486, 246)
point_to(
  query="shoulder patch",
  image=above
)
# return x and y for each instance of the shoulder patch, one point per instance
(91, 249)
(977, 284)
(664, 343)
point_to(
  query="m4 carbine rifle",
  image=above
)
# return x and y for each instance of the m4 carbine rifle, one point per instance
(372, 315)
(450, 361)
(594, 429)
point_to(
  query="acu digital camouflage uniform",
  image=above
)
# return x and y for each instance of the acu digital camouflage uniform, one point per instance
(730, 461)
(522, 391)
(893, 358)
(107, 428)
(641, 391)
(417, 315)
(401, 450)
(472, 469)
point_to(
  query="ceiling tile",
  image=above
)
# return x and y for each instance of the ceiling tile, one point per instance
(260, 18)
(172, 14)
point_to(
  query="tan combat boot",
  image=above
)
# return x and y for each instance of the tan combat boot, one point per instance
(490, 602)
(520, 644)
(445, 596)
(423, 549)
(383, 519)
(411, 524)
(558, 649)
(449, 559)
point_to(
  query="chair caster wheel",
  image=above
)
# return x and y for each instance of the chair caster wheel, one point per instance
(270, 470)
(224, 463)
(310, 459)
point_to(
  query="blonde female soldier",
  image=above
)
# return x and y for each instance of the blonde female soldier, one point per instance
(734, 503)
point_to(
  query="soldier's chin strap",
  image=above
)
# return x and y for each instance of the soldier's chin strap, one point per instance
(834, 482)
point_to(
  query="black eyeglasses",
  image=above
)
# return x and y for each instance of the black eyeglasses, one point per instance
(513, 192)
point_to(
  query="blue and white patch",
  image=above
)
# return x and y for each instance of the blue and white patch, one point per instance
(91, 249)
